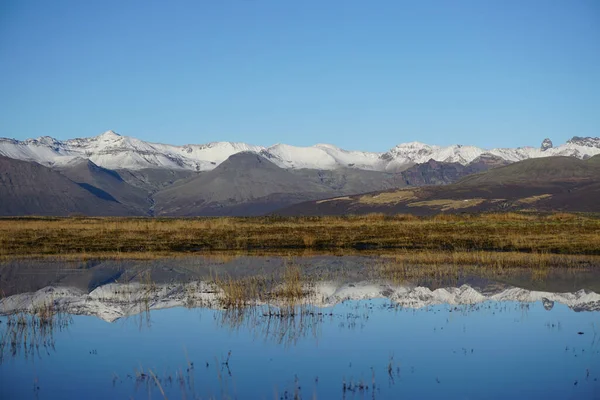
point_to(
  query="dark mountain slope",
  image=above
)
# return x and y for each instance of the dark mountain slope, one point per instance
(544, 184)
(244, 184)
(539, 170)
(108, 184)
(152, 180)
(352, 181)
(440, 173)
(32, 189)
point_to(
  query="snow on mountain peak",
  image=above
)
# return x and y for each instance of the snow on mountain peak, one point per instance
(326, 146)
(113, 151)
(287, 156)
(585, 141)
(414, 143)
(46, 140)
(109, 134)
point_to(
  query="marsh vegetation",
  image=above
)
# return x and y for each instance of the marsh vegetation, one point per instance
(565, 234)
(30, 334)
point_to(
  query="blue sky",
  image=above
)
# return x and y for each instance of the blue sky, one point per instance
(358, 74)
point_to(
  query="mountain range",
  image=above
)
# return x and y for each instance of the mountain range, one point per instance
(113, 151)
(118, 175)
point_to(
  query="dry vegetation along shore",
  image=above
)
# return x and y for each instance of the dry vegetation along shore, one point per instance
(438, 239)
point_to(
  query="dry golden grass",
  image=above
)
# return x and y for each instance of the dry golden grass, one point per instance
(239, 292)
(533, 199)
(490, 259)
(293, 285)
(334, 199)
(432, 266)
(561, 216)
(388, 197)
(448, 204)
(309, 240)
(151, 238)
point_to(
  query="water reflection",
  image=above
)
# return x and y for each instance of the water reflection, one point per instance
(116, 301)
(300, 333)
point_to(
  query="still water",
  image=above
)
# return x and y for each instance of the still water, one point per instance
(472, 338)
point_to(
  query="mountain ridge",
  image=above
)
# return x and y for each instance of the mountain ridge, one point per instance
(114, 151)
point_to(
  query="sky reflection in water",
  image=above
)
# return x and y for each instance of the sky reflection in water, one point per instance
(489, 350)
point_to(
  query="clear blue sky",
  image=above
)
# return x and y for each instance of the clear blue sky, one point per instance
(358, 74)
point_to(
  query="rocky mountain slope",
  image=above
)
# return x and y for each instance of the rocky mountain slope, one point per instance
(113, 151)
(545, 184)
(152, 180)
(32, 189)
(108, 185)
(441, 173)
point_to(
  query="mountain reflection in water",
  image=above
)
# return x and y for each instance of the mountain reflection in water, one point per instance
(319, 327)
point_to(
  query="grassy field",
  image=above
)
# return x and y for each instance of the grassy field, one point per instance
(566, 234)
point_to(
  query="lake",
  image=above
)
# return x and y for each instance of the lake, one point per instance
(161, 329)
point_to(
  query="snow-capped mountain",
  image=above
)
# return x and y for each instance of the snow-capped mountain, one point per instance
(113, 151)
(321, 156)
(416, 152)
(585, 141)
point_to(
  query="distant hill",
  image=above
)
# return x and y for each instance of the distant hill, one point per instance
(544, 184)
(539, 170)
(31, 189)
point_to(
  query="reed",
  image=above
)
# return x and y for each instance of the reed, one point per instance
(292, 287)
(240, 292)
(31, 333)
